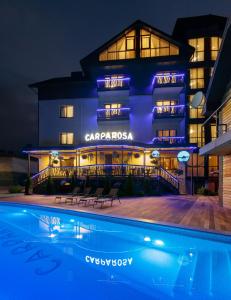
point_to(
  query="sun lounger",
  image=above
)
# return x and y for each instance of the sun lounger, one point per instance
(112, 195)
(75, 198)
(92, 197)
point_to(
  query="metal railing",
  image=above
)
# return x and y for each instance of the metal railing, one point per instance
(214, 121)
(104, 114)
(104, 170)
(166, 111)
(168, 140)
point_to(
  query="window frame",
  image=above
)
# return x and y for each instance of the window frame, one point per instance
(65, 106)
(66, 133)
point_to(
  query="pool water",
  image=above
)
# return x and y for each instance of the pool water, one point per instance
(53, 254)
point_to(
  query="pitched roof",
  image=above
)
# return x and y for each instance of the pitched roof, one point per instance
(138, 24)
(222, 73)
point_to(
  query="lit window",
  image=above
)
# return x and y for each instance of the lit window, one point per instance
(67, 111)
(195, 113)
(66, 138)
(166, 135)
(151, 45)
(213, 165)
(195, 163)
(195, 134)
(165, 106)
(196, 78)
(112, 109)
(215, 46)
(199, 46)
(124, 48)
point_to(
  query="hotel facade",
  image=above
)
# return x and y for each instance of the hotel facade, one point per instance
(218, 110)
(128, 110)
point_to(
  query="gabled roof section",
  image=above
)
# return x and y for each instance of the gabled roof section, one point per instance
(221, 75)
(129, 44)
(196, 26)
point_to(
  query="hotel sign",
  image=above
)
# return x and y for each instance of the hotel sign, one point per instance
(109, 136)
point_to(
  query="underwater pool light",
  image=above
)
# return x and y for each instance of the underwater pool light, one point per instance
(147, 239)
(159, 243)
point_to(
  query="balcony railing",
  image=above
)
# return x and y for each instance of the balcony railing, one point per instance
(168, 140)
(104, 170)
(114, 82)
(105, 114)
(167, 111)
(168, 79)
(213, 127)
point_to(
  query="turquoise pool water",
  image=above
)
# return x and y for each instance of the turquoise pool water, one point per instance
(51, 254)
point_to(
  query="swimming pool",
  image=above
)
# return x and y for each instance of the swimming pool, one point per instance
(53, 254)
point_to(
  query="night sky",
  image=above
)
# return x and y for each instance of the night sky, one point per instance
(47, 38)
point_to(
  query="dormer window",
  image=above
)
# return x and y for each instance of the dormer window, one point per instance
(151, 45)
(124, 48)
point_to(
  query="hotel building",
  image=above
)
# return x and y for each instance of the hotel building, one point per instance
(218, 110)
(128, 110)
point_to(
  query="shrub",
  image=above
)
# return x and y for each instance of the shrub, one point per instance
(50, 188)
(129, 186)
(15, 189)
(28, 186)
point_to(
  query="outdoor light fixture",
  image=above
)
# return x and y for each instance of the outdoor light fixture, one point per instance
(183, 156)
(147, 239)
(159, 243)
(155, 154)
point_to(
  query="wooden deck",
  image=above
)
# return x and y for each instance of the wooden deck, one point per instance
(201, 212)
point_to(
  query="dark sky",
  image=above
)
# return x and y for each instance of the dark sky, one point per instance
(47, 38)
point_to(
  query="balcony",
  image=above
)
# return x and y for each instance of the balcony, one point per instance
(113, 114)
(114, 82)
(168, 111)
(168, 79)
(168, 141)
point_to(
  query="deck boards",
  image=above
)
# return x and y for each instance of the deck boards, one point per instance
(201, 212)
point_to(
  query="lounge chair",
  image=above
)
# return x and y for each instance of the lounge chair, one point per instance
(110, 197)
(91, 198)
(58, 199)
(75, 199)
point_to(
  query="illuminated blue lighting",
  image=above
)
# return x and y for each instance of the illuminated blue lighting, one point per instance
(72, 220)
(24, 210)
(111, 78)
(110, 109)
(170, 75)
(167, 137)
(167, 106)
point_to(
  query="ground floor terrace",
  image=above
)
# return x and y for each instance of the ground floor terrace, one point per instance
(201, 212)
(119, 161)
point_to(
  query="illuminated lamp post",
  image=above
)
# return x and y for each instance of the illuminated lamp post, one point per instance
(183, 157)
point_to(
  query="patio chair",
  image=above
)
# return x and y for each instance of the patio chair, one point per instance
(58, 199)
(110, 197)
(75, 198)
(98, 193)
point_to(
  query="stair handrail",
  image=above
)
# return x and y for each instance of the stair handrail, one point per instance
(169, 177)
